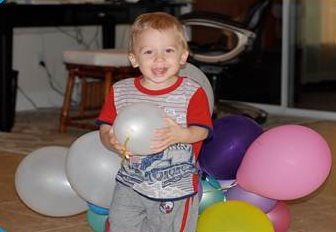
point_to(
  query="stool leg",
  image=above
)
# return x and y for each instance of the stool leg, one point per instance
(108, 82)
(67, 101)
(83, 96)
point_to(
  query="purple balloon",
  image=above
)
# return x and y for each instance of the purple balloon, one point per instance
(222, 154)
(263, 203)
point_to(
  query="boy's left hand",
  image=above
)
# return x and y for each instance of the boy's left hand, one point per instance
(166, 136)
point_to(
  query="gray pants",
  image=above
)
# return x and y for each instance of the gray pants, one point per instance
(131, 212)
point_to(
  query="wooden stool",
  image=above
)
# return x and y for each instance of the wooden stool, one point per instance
(96, 70)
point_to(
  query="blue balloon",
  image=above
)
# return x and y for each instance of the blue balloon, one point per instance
(2, 230)
(210, 192)
(222, 154)
(98, 210)
(96, 221)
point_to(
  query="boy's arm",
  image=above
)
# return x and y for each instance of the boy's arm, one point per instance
(199, 125)
(173, 133)
(195, 134)
(105, 121)
(104, 132)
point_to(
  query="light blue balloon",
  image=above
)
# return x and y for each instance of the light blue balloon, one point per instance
(2, 230)
(96, 221)
(97, 209)
(211, 193)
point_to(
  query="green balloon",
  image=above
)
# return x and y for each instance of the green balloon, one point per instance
(211, 193)
(96, 221)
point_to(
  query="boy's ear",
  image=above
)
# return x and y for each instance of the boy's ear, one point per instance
(133, 60)
(184, 57)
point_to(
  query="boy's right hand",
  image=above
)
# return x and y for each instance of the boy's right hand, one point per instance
(110, 141)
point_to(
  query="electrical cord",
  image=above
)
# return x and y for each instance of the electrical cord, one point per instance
(28, 98)
(51, 82)
(50, 79)
(94, 39)
(79, 38)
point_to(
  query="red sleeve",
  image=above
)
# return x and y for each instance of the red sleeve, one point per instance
(108, 112)
(198, 110)
(199, 115)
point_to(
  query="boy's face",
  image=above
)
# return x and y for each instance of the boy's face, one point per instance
(159, 55)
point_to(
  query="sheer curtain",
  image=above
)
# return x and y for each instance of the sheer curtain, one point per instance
(318, 41)
(328, 36)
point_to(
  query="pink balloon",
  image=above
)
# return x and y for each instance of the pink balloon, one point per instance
(286, 162)
(280, 217)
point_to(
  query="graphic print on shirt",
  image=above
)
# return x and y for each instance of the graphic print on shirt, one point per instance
(165, 175)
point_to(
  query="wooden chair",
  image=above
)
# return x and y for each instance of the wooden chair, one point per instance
(96, 70)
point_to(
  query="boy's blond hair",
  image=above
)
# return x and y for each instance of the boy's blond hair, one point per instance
(159, 21)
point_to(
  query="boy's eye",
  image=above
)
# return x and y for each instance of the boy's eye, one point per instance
(170, 50)
(148, 52)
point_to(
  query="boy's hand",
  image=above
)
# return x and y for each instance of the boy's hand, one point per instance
(120, 148)
(110, 141)
(164, 137)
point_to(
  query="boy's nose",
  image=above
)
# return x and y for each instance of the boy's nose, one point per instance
(159, 56)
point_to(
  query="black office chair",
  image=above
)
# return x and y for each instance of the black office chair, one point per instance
(216, 59)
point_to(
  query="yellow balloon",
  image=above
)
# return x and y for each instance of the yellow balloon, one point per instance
(233, 216)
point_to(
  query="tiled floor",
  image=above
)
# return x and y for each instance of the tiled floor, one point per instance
(314, 213)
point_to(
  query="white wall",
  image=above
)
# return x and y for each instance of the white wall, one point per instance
(32, 45)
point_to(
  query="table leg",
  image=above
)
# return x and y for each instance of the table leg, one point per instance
(7, 79)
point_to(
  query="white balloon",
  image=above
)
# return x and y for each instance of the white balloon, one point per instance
(135, 124)
(194, 73)
(42, 185)
(91, 169)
